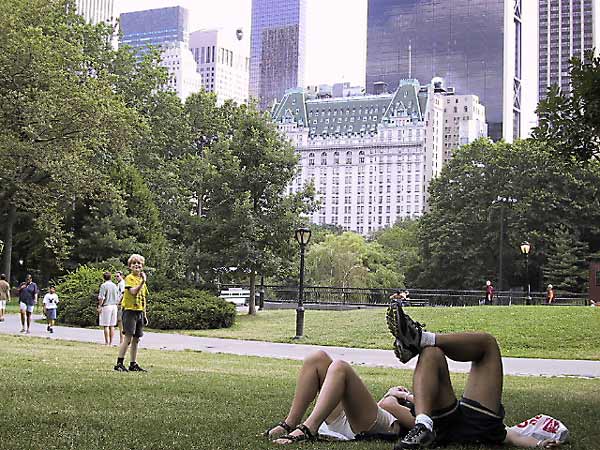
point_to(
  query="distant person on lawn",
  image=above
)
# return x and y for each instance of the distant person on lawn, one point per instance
(478, 417)
(108, 298)
(28, 297)
(489, 292)
(4, 295)
(134, 313)
(121, 286)
(550, 294)
(50, 303)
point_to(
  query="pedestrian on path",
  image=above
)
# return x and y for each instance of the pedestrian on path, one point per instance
(50, 303)
(28, 297)
(489, 292)
(121, 286)
(4, 295)
(550, 294)
(134, 313)
(478, 417)
(108, 298)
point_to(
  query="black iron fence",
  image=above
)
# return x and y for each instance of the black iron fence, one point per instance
(417, 297)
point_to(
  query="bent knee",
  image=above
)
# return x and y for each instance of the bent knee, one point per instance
(339, 365)
(490, 341)
(318, 357)
(432, 353)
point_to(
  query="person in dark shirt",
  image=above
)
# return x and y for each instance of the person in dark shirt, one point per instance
(28, 296)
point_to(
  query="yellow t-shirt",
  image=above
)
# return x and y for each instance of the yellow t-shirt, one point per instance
(134, 302)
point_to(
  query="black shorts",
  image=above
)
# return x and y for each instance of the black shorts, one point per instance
(133, 323)
(467, 421)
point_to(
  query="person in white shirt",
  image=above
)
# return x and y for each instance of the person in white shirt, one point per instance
(108, 298)
(50, 304)
(121, 286)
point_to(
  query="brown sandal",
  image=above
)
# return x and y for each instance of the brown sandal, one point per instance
(283, 424)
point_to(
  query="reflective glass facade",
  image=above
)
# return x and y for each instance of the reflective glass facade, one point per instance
(277, 48)
(461, 41)
(566, 30)
(155, 27)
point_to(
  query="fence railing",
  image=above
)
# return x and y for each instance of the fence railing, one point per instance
(417, 297)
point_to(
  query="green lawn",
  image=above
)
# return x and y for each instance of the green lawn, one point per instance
(563, 332)
(60, 395)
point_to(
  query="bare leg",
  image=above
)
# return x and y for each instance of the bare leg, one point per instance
(105, 335)
(134, 348)
(310, 379)
(28, 320)
(431, 382)
(111, 333)
(22, 320)
(484, 384)
(124, 345)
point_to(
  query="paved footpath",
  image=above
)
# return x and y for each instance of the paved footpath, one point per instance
(356, 356)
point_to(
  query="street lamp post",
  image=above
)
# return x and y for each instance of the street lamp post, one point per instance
(525, 247)
(302, 236)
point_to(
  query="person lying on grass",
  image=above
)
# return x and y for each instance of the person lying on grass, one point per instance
(344, 410)
(478, 417)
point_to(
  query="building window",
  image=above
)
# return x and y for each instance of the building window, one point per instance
(323, 159)
(311, 159)
(361, 157)
(348, 157)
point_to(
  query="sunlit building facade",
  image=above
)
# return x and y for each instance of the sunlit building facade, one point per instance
(277, 48)
(97, 11)
(371, 157)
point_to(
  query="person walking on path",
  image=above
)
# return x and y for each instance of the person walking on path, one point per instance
(550, 294)
(478, 417)
(121, 286)
(108, 298)
(4, 295)
(28, 297)
(489, 292)
(50, 303)
(134, 313)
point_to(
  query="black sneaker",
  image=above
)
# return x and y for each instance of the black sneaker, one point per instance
(134, 367)
(120, 367)
(406, 331)
(51, 330)
(418, 437)
(48, 328)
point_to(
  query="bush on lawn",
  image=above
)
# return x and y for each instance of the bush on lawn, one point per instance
(188, 309)
(78, 296)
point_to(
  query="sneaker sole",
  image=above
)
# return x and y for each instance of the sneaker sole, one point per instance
(394, 317)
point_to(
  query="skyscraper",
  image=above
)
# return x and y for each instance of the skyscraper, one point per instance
(566, 30)
(475, 46)
(155, 27)
(96, 11)
(277, 48)
(167, 29)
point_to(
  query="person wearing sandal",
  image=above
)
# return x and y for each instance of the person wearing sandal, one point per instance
(344, 410)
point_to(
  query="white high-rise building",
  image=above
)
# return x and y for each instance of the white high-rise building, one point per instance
(371, 157)
(179, 61)
(223, 63)
(96, 11)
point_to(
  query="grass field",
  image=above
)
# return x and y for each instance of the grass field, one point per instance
(64, 395)
(563, 332)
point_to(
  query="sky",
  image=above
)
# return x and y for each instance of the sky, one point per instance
(336, 34)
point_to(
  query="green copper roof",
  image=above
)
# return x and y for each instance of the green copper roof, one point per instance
(351, 115)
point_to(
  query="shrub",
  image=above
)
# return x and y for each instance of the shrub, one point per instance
(188, 309)
(78, 293)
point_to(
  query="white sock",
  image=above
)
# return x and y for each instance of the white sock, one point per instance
(427, 339)
(425, 420)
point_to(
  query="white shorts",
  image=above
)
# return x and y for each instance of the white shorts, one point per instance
(2, 304)
(108, 316)
(25, 307)
(340, 428)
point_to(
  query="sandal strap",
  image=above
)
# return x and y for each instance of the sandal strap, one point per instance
(283, 424)
(306, 435)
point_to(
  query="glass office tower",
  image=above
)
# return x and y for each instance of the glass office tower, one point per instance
(461, 41)
(277, 48)
(566, 31)
(155, 27)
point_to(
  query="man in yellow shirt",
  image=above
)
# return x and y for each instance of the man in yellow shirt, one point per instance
(134, 313)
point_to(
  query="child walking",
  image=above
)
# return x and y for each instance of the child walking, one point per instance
(50, 303)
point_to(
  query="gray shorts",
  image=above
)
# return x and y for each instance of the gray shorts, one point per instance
(133, 323)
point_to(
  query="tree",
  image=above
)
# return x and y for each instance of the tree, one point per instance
(566, 266)
(248, 221)
(569, 122)
(459, 236)
(60, 119)
(401, 243)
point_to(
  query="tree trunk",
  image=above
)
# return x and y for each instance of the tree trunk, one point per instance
(251, 300)
(8, 241)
